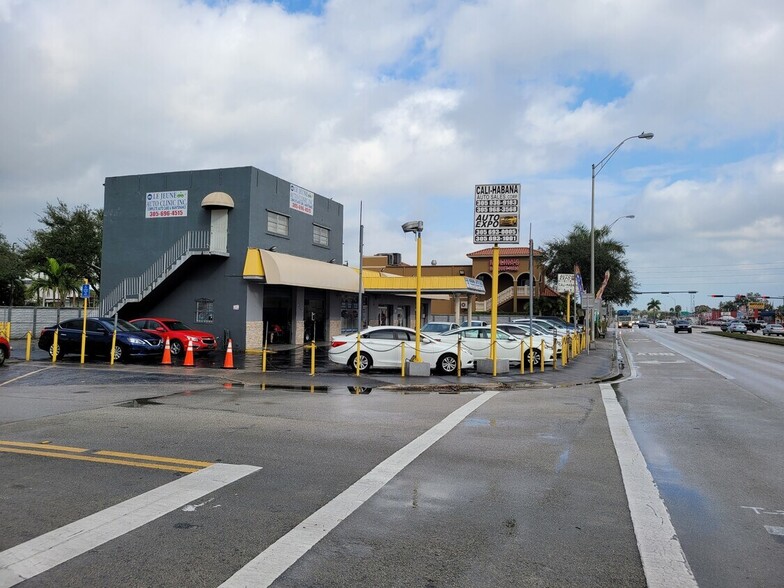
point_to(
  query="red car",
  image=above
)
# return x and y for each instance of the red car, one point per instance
(178, 333)
(5, 349)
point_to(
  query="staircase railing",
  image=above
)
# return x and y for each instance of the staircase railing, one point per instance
(135, 288)
(503, 297)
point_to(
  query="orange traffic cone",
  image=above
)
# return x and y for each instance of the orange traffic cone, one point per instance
(189, 355)
(166, 354)
(228, 362)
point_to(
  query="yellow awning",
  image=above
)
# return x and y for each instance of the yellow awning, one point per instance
(290, 270)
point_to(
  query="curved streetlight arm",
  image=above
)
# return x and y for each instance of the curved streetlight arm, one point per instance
(597, 167)
(617, 219)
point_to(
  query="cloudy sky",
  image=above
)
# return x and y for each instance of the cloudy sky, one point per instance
(405, 105)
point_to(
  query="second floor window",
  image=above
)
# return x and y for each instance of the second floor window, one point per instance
(277, 224)
(320, 236)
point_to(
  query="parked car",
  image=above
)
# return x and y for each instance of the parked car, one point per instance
(477, 341)
(131, 341)
(434, 327)
(661, 324)
(737, 327)
(5, 349)
(179, 334)
(474, 324)
(773, 329)
(682, 325)
(380, 347)
(643, 325)
(521, 331)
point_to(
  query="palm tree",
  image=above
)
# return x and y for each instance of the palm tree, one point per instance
(654, 306)
(56, 277)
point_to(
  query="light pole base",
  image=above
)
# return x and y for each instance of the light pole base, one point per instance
(417, 368)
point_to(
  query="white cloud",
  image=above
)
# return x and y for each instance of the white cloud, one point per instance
(406, 105)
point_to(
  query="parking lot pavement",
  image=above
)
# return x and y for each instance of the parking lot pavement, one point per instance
(289, 366)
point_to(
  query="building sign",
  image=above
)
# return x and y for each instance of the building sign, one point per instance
(496, 213)
(566, 283)
(301, 199)
(166, 204)
(475, 286)
(506, 264)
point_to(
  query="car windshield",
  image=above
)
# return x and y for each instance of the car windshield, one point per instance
(436, 327)
(176, 326)
(121, 326)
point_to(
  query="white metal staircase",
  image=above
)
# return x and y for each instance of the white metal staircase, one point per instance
(503, 297)
(136, 288)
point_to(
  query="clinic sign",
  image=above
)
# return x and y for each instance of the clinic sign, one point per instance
(166, 204)
(496, 213)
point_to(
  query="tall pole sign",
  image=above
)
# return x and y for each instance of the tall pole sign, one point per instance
(496, 220)
(496, 213)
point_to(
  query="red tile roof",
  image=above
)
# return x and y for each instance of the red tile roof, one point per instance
(505, 252)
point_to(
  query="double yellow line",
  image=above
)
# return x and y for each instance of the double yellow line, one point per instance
(136, 460)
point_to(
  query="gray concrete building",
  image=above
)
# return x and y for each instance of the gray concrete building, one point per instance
(176, 245)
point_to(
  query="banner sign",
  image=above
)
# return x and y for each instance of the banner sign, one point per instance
(166, 204)
(566, 283)
(496, 213)
(301, 199)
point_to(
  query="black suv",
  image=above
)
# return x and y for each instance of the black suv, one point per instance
(682, 325)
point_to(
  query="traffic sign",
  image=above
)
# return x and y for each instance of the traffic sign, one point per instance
(85, 290)
(496, 213)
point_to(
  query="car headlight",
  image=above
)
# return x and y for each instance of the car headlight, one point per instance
(192, 339)
(136, 341)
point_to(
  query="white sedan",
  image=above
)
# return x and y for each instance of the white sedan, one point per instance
(382, 347)
(476, 340)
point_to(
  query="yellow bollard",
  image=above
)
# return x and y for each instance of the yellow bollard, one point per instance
(312, 358)
(541, 357)
(492, 352)
(403, 359)
(359, 357)
(29, 345)
(459, 358)
(114, 342)
(54, 345)
(522, 356)
(564, 349)
(555, 352)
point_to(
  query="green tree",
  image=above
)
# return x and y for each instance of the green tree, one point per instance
(56, 277)
(654, 306)
(561, 255)
(72, 236)
(11, 274)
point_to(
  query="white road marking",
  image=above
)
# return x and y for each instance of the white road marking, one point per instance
(775, 530)
(265, 568)
(691, 355)
(51, 549)
(663, 559)
(25, 375)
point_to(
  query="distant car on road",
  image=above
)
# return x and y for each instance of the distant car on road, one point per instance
(381, 347)
(179, 334)
(737, 327)
(773, 329)
(661, 324)
(434, 327)
(131, 341)
(5, 349)
(682, 325)
(643, 325)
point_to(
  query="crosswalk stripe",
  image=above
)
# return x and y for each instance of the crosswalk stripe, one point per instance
(60, 545)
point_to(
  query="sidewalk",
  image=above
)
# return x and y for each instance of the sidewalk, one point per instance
(600, 364)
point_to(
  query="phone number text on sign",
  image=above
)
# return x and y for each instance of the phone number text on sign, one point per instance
(496, 213)
(166, 204)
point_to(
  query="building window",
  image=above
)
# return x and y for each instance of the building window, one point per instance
(205, 310)
(320, 236)
(277, 224)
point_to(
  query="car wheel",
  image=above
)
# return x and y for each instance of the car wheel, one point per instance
(2, 355)
(119, 353)
(689, 330)
(176, 347)
(59, 351)
(365, 362)
(537, 357)
(447, 363)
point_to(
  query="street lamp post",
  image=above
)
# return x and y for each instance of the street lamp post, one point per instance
(417, 227)
(610, 226)
(595, 169)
